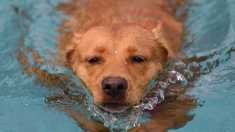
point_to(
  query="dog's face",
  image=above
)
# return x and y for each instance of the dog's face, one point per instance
(117, 62)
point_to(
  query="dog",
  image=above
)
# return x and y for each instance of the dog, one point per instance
(116, 49)
(120, 47)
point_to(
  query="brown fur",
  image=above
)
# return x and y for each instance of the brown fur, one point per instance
(115, 45)
(115, 31)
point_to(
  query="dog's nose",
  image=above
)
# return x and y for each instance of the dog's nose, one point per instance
(114, 86)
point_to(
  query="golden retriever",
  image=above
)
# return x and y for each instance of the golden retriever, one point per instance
(120, 47)
(116, 49)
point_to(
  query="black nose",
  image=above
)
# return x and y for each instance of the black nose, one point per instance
(114, 86)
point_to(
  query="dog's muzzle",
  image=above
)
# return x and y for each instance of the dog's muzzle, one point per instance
(114, 86)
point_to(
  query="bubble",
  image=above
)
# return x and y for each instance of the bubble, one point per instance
(172, 80)
(162, 84)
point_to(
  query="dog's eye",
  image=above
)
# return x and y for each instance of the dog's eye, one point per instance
(93, 60)
(138, 59)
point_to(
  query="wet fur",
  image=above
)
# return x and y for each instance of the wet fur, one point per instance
(115, 31)
(151, 21)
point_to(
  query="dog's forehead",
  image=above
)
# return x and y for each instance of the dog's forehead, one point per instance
(116, 40)
(117, 36)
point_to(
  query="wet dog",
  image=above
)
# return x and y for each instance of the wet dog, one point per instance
(120, 47)
(116, 49)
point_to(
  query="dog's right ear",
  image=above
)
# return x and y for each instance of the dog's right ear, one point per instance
(71, 52)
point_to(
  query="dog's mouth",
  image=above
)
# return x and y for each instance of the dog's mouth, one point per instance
(114, 106)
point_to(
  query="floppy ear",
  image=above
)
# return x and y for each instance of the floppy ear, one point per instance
(70, 54)
(163, 52)
(71, 49)
(154, 25)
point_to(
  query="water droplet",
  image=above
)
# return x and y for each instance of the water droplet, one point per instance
(162, 84)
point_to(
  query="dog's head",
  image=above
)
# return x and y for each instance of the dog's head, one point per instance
(116, 62)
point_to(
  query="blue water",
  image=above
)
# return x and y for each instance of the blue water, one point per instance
(22, 107)
(211, 29)
(28, 24)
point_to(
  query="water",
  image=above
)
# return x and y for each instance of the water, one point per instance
(211, 37)
(30, 25)
(21, 101)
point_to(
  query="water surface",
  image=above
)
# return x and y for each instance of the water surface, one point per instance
(28, 25)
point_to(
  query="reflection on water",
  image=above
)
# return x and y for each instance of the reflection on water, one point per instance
(32, 67)
(210, 28)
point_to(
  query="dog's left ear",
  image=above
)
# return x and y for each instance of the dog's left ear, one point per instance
(163, 52)
(154, 25)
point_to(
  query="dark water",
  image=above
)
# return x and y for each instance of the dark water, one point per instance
(29, 25)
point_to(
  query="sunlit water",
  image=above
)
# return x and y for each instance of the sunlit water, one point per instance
(28, 25)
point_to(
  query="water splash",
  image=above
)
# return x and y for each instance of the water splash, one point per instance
(179, 70)
(120, 121)
(123, 120)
